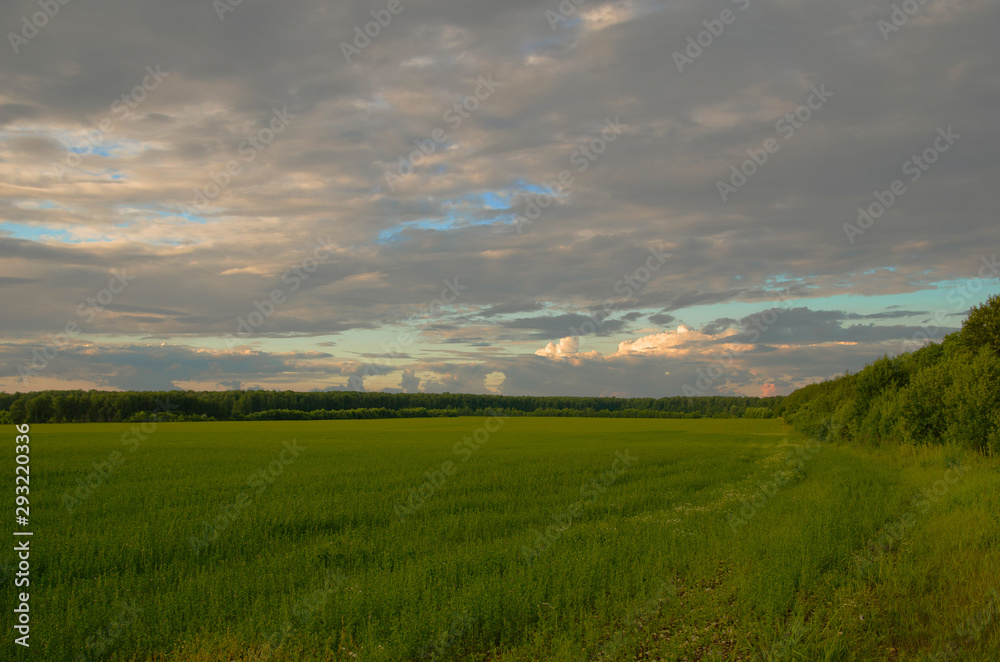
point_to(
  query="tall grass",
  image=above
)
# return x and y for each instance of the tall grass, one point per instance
(724, 539)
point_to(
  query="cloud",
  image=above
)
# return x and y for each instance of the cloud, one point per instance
(661, 319)
(129, 202)
(565, 347)
(718, 326)
(681, 342)
(510, 308)
(802, 326)
(409, 383)
(556, 325)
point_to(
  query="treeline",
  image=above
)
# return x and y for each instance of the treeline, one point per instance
(117, 406)
(420, 412)
(947, 393)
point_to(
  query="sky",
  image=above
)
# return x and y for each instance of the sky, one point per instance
(631, 198)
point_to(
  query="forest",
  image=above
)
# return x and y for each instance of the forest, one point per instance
(132, 406)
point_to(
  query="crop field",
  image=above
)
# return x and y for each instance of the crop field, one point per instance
(505, 539)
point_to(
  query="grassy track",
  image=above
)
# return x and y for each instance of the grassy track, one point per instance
(545, 539)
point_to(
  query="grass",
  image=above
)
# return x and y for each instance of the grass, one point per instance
(720, 540)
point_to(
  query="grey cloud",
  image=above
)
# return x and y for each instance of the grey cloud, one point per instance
(662, 319)
(884, 315)
(718, 326)
(560, 326)
(10, 112)
(781, 234)
(511, 308)
(803, 326)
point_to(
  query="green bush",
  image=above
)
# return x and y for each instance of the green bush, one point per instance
(982, 327)
(923, 417)
(947, 393)
(973, 401)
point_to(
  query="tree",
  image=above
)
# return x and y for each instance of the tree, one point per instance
(40, 408)
(982, 328)
(18, 412)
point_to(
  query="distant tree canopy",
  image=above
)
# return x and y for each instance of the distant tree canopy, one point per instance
(116, 406)
(941, 393)
(982, 327)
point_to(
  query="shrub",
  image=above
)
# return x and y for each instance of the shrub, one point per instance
(943, 393)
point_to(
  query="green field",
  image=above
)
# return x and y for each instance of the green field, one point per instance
(543, 539)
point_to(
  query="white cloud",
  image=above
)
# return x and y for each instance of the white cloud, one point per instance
(564, 348)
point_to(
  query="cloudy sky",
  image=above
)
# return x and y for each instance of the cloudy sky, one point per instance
(632, 198)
